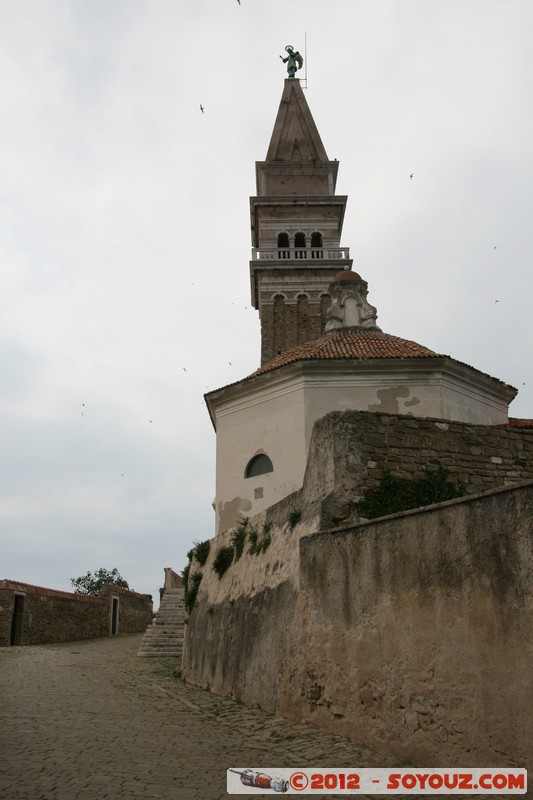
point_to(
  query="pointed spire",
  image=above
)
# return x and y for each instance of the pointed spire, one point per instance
(296, 161)
(295, 131)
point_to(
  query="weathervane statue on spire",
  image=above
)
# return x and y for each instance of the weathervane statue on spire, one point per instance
(294, 60)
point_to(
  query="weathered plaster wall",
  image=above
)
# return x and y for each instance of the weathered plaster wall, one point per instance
(415, 633)
(238, 637)
(48, 615)
(271, 422)
(412, 634)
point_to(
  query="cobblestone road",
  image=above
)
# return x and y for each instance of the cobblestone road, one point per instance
(90, 721)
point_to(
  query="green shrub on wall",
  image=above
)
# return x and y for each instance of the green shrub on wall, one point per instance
(294, 518)
(191, 590)
(400, 494)
(238, 537)
(223, 560)
(201, 551)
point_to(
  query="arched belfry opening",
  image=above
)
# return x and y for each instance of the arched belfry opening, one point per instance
(283, 245)
(299, 245)
(317, 246)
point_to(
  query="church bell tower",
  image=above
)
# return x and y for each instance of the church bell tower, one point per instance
(296, 222)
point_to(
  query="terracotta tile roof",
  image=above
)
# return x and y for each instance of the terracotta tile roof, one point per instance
(34, 589)
(515, 422)
(350, 343)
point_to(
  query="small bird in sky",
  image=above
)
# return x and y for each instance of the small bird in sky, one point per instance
(411, 176)
(202, 109)
(496, 301)
(495, 246)
(239, 2)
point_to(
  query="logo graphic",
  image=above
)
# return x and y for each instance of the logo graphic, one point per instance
(261, 781)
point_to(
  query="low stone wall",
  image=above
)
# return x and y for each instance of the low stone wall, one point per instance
(350, 451)
(412, 634)
(135, 611)
(37, 615)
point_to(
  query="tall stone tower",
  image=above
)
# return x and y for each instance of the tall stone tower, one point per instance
(296, 221)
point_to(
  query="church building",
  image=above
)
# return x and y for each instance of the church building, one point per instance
(321, 347)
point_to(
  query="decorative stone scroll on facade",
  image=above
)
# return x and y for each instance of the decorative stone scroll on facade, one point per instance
(349, 306)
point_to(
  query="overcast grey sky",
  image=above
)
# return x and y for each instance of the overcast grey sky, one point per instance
(125, 238)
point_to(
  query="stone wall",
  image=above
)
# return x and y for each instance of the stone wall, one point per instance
(293, 317)
(411, 633)
(350, 450)
(135, 610)
(42, 616)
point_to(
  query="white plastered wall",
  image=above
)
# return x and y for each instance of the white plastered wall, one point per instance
(275, 414)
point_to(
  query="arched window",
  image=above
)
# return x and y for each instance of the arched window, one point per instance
(258, 465)
(300, 245)
(316, 245)
(283, 245)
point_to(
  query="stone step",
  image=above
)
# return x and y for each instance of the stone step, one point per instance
(165, 628)
(169, 623)
(164, 637)
(170, 612)
(161, 630)
(161, 645)
(169, 653)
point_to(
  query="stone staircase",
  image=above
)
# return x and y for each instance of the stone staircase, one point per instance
(164, 637)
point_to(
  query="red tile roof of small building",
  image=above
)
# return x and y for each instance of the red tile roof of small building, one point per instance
(34, 589)
(10, 585)
(353, 343)
(357, 343)
(516, 422)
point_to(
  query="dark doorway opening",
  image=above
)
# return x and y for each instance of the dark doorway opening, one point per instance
(18, 619)
(114, 616)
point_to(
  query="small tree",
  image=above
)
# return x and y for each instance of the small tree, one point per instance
(92, 582)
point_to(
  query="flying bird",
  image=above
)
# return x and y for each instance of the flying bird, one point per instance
(239, 2)
(202, 109)
(411, 176)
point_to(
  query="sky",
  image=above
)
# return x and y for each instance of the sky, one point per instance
(125, 235)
